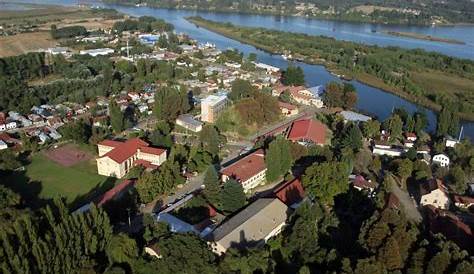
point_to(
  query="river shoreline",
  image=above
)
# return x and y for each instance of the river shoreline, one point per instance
(365, 79)
(321, 17)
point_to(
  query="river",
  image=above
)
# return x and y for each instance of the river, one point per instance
(371, 100)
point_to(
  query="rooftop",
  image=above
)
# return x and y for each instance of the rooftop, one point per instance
(354, 116)
(123, 150)
(308, 129)
(213, 100)
(289, 192)
(247, 167)
(251, 225)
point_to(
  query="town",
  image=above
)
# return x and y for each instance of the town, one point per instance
(170, 138)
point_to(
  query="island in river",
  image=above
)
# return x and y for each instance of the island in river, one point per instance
(430, 79)
(424, 37)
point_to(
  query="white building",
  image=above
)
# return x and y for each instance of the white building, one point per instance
(392, 152)
(97, 52)
(450, 142)
(212, 106)
(433, 192)
(268, 68)
(188, 122)
(441, 160)
(3, 145)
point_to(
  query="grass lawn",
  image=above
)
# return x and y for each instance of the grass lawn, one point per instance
(46, 179)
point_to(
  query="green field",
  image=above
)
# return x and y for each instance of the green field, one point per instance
(45, 179)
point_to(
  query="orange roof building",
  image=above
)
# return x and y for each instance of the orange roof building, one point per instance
(290, 192)
(249, 171)
(117, 158)
(308, 131)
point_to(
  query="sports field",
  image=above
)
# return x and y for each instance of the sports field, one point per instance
(46, 178)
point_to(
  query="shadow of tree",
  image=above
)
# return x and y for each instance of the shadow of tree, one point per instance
(29, 190)
(93, 194)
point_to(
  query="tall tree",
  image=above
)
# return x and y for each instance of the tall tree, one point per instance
(326, 180)
(232, 196)
(278, 158)
(293, 76)
(117, 119)
(212, 188)
(210, 139)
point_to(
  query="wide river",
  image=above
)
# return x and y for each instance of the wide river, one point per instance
(371, 100)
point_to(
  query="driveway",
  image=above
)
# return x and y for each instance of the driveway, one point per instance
(409, 204)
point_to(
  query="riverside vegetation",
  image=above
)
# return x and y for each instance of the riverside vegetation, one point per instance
(430, 79)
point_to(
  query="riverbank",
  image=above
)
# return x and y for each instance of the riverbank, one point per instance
(322, 57)
(351, 17)
(424, 37)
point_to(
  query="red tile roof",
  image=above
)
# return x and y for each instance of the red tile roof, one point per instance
(110, 143)
(466, 200)
(286, 105)
(152, 150)
(111, 194)
(361, 182)
(451, 226)
(125, 150)
(289, 192)
(145, 164)
(247, 167)
(308, 130)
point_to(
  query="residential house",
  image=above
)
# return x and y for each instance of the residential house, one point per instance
(249, 171)
(97, 52)
(433, 192)
(3, 145)
(463, 201)
(117, 158)
(303, 96)
(269, 69)
(288, 109)
(251, 227)
(410, 136)
(212, 106)
(308, 132)
(188, 122)
(361, 184)
(451, 142)
(441, 160)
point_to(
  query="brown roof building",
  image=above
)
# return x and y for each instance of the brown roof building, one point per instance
(249, 171)
(308, 131)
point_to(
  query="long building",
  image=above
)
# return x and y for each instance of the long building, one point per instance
(249, 171)
(251, 227)
(117, 158)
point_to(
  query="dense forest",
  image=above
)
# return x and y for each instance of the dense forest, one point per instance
(391, 11)
(428, 78)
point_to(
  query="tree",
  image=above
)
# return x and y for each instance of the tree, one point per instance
(8, 198)
(170, 102)
(340, 95)
(326, 180)
(404, 170)
(77, 131)
(117, 119)
(210, 139)
(122, 249)
(212, 188)
(8, 160)
(352, 138)
(293, 76)
(278, 158)
(394, 125)
(145, 187)
(457, 180)
(371, 128)
(241, 89)
(232, 196)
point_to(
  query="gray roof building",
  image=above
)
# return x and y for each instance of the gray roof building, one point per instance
(252, 226)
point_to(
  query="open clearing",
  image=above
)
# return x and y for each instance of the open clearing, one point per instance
(47, 179)
(25, 42)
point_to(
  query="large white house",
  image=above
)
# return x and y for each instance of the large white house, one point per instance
(441, 160)
(117, 158)
(433, 192)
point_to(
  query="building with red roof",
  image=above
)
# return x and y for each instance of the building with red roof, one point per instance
(117, 158)
(463, 201)
(308, 131)
(290, 192)
(450, 225)
(249, 171)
